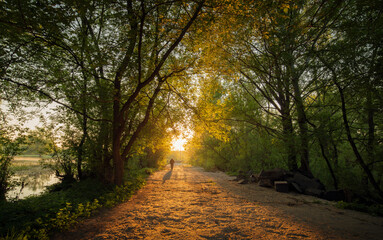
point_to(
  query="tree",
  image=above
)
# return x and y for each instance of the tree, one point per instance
(10, 145)
(352, 64)
(116, 53)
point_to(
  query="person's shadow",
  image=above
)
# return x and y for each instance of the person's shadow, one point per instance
(167, 176)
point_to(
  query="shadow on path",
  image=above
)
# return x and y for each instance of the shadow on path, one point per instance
(167, 176)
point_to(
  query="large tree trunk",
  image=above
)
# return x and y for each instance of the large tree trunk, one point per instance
(288, 137)
(118, 163)
(303, 130)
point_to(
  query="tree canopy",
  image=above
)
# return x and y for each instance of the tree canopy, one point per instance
(262, 84)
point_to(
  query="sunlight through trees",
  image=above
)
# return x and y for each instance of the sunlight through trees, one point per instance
(260, 84)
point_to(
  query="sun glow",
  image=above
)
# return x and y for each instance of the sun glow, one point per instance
(178, 144)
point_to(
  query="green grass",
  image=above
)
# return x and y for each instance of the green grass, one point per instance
(39, 216)
(26, 165)
(373, 209)
(23, 168)
(230, 173)
(35, 156)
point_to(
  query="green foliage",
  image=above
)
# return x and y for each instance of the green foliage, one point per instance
(37, 144)
(284, 79)
(373, 209)
(264, 92)
(13, 235)
(62, 161)
(8, 149)
(105, 64)
(37, 217)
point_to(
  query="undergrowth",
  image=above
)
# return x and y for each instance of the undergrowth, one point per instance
(39, 216)
(373, 209)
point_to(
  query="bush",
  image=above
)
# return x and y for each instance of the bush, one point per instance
(374, 209)
(37, 217)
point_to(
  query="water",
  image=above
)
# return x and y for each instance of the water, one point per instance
(35, 183)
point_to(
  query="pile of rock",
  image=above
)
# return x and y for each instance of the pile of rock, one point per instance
(245, 177)
(285, 181)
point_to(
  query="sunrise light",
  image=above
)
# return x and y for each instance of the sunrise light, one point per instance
(178, 144)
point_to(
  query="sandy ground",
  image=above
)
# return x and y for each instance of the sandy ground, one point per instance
(188, 203)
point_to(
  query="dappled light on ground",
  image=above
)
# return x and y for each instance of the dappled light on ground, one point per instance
(188, 203)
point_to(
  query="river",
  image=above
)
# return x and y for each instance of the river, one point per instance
(31, 183)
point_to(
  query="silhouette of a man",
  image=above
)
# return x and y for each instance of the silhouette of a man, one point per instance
(171, 163)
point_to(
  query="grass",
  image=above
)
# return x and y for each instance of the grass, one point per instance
(211, 182)
(33, 156)
(25, 168)
(26, 163)
(373, 209)
(21, 163)
(39, 216)
(230, 173)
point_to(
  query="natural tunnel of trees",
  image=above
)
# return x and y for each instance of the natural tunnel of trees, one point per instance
(261, 84)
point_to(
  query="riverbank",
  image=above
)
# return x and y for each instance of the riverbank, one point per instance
(39, 216)
(30, 177)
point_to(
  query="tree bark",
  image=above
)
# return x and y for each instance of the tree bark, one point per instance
(303, 130)
(324, 151)
(288, 136)
(359, 157)
(119, 108)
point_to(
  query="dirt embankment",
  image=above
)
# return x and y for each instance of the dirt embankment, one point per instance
(188, 203)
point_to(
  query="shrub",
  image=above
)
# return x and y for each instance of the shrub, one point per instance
(39, 216)
(373, 209)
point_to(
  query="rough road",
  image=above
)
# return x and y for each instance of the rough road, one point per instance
(188, 203)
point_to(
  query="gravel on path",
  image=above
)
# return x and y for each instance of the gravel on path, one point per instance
(189, 203)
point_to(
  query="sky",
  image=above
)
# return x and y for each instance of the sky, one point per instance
(31, 118)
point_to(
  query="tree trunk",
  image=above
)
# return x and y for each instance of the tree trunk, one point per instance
(325, 154)
(288, 137)
(371, 129)
(303, 130)
(352, 142)
(371, 136)
(118, 163)
(80, 152)
(288, 133)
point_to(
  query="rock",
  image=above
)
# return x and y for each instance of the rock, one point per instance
(295, 186)
(306, 182)
(281, 186)
(283, 180)
(244, 178)
(335, 195)
(267, 178)
(239, 178)
(275, 174)
(314, 192)
(242, 181)
(253, 178)
(265, 183)
(348, 195)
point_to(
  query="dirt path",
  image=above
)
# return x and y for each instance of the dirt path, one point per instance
(189, 203)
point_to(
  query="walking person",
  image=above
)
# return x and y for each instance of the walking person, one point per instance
(171, 164)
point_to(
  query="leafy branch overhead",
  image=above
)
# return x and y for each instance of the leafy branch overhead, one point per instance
(262, 84)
